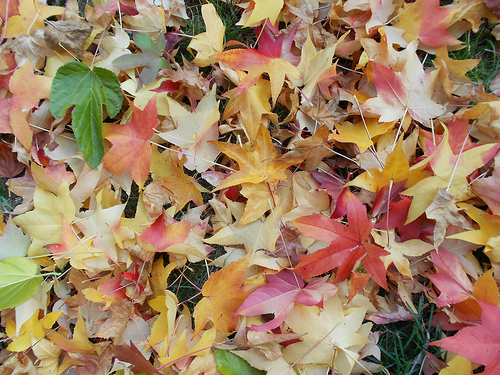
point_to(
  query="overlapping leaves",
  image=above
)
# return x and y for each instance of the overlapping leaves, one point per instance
(319, 184)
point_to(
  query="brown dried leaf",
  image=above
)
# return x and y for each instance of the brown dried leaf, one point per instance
(64, 36)
(444, 210)
(32, 47)
(289, 246)
(9, 165)
(268, 343)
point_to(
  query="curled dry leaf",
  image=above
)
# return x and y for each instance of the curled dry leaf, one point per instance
(67, 36)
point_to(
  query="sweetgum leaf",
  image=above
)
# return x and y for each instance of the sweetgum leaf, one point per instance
(230, 364)
(19, 281)
(76, 85)
(151, 58)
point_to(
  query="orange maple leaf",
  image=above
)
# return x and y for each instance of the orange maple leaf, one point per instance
(27, 90)
(262, 163)
(181, 187)
(131, 148)
(222, 297)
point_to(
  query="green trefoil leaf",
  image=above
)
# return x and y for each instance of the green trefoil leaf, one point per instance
(75, 84)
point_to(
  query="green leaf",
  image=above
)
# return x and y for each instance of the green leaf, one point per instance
(76, 85)
(230, 364)
(19, 280)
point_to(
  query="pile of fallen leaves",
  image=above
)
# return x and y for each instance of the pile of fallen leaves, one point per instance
(339, 168)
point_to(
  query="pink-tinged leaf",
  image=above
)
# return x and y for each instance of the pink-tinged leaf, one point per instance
(256, 63)
(4, 116)
(348, 244)
(479, 344)
(406, 92)
(166, 232)
(450, 278)
(279, 295)
(487, 188)
(428, 22)
(27, 90)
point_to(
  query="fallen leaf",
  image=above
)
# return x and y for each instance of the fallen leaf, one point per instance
(27, 89)
(406, 92)
(332, 337)
(130, 354)
(222, 296)
(151, 58)
(63, 36)
(9, 165)
(251, 105)
(44, 223)
(278, 296)
(87, 90)
(450, 278)
(428, 22)
(260, 10)
(31, 17)
(131, 148)
(261, 163)
(257, 63)
(194, 130)
(348, 245)
(210, 42)
(480, 344)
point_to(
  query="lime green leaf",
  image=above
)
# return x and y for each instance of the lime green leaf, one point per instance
(19, 280)
(76, 85)
(230, 364)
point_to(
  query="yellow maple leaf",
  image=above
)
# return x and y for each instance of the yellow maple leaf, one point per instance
(261, 163)
(487, 234)
(31, 331)
(44, 224)
(79, 251)
(164, 326)
(400, 251)
(32, 14)
(251, 105)
(396, 169)
(362, 133)
(450, 173)
(332, 337)
(181, 187)
(211, 41)
(259, 10)
(257, 63)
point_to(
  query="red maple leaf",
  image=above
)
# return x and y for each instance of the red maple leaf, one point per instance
(131, 148)
(480, 344)
(348, 245)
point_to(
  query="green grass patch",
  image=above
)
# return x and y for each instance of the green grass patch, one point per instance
(482, 46)
(404, 345)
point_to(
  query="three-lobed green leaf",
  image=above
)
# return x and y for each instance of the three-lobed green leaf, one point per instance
(19, 280)
(75, 84)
